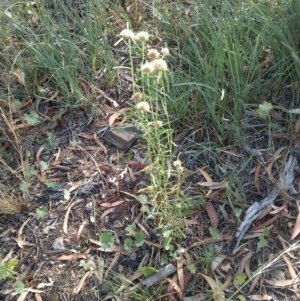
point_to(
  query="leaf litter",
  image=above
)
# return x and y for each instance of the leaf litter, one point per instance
(89, 174)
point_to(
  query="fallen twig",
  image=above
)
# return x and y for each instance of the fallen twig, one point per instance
(285, 184)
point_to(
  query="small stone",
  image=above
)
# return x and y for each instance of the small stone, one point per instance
(122, 137)
(133, 256)
(89, 207)
(58, 244)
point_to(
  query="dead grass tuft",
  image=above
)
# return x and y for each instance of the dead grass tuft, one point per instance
(10, 204)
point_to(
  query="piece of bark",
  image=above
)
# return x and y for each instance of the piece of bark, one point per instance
(160, 275)
(284, 184)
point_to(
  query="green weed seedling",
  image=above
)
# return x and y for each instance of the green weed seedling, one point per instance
(136, 239)
(263, 238)
(7, 269)
(107, 240)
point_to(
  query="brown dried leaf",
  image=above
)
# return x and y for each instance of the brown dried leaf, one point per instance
(111, 205)
(207, 178)
(297, 132)
(276, 115)
(80, 284)
(23, 296)
(180, 273)
(254, 283)
(85, 86)
(65, 225)
(38, 297)
(214, 185)
(80, 229)
(290, 268)
(21, 243)
(212, 214)
(174, 286)
(296, 229)
(256, 177)
(261, 297)
(113, 117)
(113, 263)
(19, 76)
(106, 212)
(72, 257)
(245, 262)
(212, 283)
(280, 283)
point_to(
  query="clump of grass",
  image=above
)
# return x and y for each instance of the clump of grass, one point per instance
(230, 55)
(11, 203)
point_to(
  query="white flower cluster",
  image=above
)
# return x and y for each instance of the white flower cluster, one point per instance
(155, 63)
(128, 34)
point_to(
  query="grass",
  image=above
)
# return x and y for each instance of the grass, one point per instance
(225, 59)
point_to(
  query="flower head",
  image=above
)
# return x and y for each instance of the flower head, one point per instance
(178, 165)
(152, 54)
(127, 34)
(165, 51)
(160, 65)
(137, 96)
(147, 68)
(142, 36)
(143, 107)
(158, 124)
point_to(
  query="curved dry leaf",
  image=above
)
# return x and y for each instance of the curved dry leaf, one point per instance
(65, 224)
(111, 205)
(207, 178)
(227, 283)
(212, 214)
(281, 283)
(260, 297)
(254, 283)
(72, 257)
(212, 283)
(214, 185)
(296, 229)
(113, 118)
(180, 273)
(81, 282)
(245, 262)
(297, 132)
(80, 229)
(174, 286)
(23, 296)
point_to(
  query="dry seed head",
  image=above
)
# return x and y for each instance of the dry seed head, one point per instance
(160, 65)
(152, 54)
(178, 165)
(127, 34)
(142, 36)
(143, 107)
(147, 68)
(158, 124)
(165, 51)
(137, 96)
